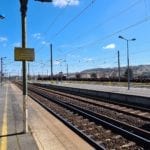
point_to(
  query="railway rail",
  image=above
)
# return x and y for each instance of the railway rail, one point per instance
(89, 95)
(128, 110)
(101, 131)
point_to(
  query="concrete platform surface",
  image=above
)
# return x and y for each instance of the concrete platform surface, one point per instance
(106, 88)
(48, 132)
(11, 124)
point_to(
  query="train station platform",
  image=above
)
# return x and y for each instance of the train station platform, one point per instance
(145, 92)
(45, 131)
(11, 123)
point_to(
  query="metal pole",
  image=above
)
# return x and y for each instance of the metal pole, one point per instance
(118, 66)
(67, 70)
(128, 65)
(51, 61)
(1, 17)
(1, 70)
(28, 71)
(23, 24)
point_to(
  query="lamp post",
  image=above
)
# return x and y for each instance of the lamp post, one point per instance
(127, 40)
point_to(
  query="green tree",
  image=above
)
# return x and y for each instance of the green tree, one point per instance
(130, 73)
(93, 75)
(78, 75)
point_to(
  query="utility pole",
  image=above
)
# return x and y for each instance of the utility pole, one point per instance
(67, 70)
(23, 10)
(51, 61)
(1, 17)
(2, 69)
(118, 66)
(28, 71)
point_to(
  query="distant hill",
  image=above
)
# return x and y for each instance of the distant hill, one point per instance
(140, 70)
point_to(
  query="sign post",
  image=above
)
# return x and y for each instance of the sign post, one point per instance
(24, 54)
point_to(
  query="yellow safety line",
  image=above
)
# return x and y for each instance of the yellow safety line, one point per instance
(3, 143)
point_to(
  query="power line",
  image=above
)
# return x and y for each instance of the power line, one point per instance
(110, 18)
(57, 17)
(55, 20)
(98, 25)
(73, 19)
(52, 23)
(146, 8)
(110, 35)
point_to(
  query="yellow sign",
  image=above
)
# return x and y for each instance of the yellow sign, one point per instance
(24, 54)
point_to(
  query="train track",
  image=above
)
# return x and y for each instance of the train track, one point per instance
(96, 98)
(93, 126)
(143, 114)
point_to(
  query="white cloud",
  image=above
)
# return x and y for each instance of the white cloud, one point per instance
(3, 39)
(17, 44)
(37, 35)
(109, 46)
(45, 43)
(63, 3)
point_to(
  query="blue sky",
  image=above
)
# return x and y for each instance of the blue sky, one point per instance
(84, 34)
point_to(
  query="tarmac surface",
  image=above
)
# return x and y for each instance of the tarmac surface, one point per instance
(45, 131)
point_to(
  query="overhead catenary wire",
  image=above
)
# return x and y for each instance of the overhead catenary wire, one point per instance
(106, 62)
(107, 20)
(146, 8)
(98, 25)
(73, 19)
(69, 22)
(113, 57)
(110, 35)
(51, 24)
(56, 18)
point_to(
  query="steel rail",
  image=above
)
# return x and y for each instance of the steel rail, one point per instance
(129, 135)
(87, 138)
(87, 95)
(142, 141)
(98, 104)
